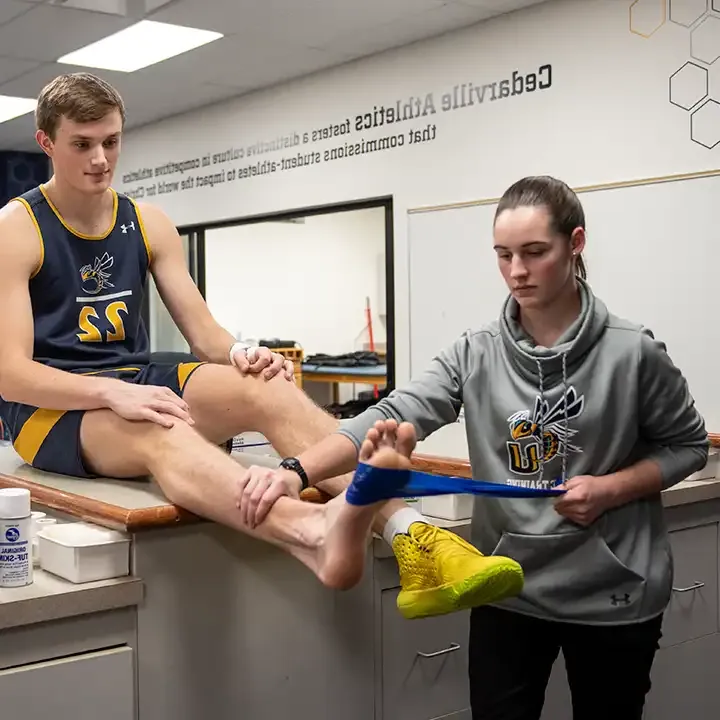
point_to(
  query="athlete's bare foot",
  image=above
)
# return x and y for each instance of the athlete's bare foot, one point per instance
(389, 445)
(342, 555)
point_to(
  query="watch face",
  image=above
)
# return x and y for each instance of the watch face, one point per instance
(294, 465)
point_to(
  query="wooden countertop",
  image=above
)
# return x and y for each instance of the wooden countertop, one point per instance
(126, 505)
(135, 505)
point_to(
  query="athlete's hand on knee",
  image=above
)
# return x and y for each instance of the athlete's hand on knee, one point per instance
(147, 402)
(259, 488)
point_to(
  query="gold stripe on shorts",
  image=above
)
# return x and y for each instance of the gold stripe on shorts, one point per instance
(184, 371)
(34, 432)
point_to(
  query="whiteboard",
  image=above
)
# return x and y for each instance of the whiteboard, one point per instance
(652, 253)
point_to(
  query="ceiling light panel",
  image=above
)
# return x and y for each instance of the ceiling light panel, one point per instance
(12, 107)
(140, 45)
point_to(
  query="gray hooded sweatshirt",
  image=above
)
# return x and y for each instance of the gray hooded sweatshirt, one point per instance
(605, 396)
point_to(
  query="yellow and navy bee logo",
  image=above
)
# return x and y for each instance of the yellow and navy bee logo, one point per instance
(527, 443)
(95, 277)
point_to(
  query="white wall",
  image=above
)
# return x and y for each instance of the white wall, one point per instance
(300, 281)
(606, 117)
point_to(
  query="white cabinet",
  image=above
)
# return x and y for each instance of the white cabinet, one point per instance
(424, 664)
(685, 669)
(82, 687)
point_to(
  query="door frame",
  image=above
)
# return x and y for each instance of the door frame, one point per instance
(197, 256)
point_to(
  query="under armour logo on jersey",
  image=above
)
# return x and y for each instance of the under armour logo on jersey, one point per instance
(125, 228)
(623, 599)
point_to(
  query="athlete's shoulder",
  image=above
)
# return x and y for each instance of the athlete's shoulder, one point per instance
(155, 220)
(159, 232)
(20, 237)
(16, 215)
(148, 208)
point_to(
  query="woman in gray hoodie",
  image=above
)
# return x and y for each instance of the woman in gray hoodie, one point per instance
(557, 391)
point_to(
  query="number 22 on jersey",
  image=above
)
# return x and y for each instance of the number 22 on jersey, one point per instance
(89, 330)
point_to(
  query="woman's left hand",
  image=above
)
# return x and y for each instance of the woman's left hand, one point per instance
(585, 500)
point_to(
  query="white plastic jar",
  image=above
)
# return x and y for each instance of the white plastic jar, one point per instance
(16, 532)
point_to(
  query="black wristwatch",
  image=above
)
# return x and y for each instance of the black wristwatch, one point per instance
(294, 465)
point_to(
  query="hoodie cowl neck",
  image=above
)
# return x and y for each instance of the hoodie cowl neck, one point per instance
(574, 343)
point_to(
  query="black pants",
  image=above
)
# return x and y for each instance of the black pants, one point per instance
(511, 657)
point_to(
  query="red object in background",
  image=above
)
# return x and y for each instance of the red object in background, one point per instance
(368, 317)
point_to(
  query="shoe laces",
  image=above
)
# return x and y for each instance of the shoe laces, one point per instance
(428, 536)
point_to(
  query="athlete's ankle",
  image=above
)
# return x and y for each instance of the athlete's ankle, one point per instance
(399, 523)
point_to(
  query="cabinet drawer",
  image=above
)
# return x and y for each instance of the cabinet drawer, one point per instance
(684, 682)
(693, 609)
(424, 664)
(83, 687)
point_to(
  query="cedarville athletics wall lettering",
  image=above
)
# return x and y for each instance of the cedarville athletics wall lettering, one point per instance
(380, 128)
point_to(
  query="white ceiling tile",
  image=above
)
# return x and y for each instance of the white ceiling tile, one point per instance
(31, 83)
(329, 20)
(48, 32)
(308, 23)
(151, 5)
(410, 29)
(203, 64)
(259, 49)
(271, 68)
(240, 65)
(12, 67)
(113, 7)
(10, 9)
(223, 16)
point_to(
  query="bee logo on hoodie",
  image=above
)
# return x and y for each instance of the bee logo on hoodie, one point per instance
(543, 430)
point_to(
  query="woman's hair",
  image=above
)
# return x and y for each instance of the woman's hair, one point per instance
(563, 205)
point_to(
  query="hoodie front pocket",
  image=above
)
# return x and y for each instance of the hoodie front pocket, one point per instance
(574, 576)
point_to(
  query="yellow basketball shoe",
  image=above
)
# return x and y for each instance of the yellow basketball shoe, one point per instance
(440, 573)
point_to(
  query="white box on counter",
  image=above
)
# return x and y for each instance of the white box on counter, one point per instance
(81, 552)
(448, 507)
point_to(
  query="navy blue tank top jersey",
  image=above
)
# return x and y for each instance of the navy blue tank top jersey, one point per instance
(87, 293)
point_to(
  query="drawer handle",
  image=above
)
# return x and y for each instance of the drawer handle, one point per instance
(695, 586)
(453, 647)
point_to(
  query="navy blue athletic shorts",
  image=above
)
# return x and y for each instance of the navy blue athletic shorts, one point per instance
(50, 439)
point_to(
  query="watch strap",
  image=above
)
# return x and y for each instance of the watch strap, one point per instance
(294, 465)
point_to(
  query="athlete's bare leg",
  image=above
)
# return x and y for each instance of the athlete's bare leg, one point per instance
(225, 403)
(330, 539)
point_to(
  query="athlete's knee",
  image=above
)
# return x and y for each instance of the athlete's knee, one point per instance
(259, 392)
(157, 436)
(106, 438)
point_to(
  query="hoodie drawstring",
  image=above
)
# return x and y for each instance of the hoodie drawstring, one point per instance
(541, 388)
(563, 441)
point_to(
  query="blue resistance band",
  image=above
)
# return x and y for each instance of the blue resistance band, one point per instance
(373, 484)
